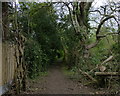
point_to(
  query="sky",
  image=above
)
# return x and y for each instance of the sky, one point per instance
(98, 2)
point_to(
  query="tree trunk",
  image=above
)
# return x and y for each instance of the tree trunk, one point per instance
(79, 17)
(20, 72)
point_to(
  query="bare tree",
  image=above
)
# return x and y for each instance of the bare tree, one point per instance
(79, 13)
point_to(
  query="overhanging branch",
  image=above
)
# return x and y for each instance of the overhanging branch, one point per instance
(100, 25)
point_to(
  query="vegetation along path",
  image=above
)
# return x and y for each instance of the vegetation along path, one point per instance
(56, 83)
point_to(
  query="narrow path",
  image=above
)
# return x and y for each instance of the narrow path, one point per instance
(56, 83)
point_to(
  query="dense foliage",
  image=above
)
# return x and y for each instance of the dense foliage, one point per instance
(39, 26)
(38, 61)
(77, 32)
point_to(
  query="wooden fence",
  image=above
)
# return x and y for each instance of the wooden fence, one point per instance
(0, 68)
(7, 66)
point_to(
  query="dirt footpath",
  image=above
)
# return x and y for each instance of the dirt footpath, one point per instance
(56, 83)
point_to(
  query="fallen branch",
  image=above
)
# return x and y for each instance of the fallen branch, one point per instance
(105, 61)
(88, 83)
(107, 73)
(89, 76)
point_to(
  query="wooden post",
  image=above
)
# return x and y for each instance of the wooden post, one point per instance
(1, 48)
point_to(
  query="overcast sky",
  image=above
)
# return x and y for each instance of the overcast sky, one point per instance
(98, 2)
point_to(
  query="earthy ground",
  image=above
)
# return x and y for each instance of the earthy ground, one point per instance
(56, 83)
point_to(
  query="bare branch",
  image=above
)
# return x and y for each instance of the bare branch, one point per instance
(94, 21)
(70, 12)
(97, 41)
(97, 11)
(101, 23)
(102, 36)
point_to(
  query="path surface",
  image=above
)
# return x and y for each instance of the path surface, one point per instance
(56, 83)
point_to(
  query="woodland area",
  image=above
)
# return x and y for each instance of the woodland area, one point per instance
(82, 39)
